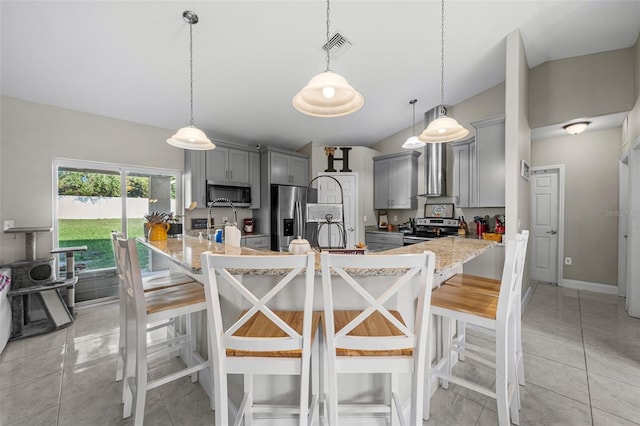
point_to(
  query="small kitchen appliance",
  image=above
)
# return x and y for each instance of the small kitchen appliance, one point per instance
(247, 225)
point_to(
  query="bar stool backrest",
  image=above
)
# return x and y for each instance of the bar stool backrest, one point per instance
(132, 287)
(511, 277)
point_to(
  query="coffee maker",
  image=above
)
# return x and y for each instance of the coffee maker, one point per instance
(247, 225)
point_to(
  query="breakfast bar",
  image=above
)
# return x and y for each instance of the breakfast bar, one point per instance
(184, 254)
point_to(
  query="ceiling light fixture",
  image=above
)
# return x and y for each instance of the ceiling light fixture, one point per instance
(328, 94)
(443, 129)
(413, 142)
(190, 137)
(576, 128)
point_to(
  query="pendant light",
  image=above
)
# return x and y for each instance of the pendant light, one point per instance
(328, 94)
(443, 129)
(191, 137)
(413, 142)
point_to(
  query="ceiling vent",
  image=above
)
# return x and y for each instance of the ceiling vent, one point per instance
(337, 45)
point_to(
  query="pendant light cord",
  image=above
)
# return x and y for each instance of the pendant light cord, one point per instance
(413, 123)
(442, 53)
(191, 123)
(327, 45)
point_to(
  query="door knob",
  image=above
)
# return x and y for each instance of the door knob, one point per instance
(552, 232)
(350, 229)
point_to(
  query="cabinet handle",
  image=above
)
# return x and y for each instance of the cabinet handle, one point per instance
(230, 174)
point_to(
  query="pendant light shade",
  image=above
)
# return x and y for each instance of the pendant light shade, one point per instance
(328, 94)
(413, 142)
(443, 129)
(191, 137)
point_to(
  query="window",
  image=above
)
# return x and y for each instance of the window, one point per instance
(94, 199)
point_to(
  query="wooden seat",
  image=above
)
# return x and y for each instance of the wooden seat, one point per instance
(462, 300)
(261, 326)
(489, 286)
(383, 335)
(474, 282)
(458, 304)
(375, 325)
(144, 308)
(151, 283)
(264, 339)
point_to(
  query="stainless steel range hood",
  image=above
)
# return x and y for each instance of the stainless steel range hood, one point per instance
(435, 159)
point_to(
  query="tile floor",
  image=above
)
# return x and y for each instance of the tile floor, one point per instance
(582, 360)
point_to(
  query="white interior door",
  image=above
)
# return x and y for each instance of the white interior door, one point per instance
(329, 192)
(544, 225)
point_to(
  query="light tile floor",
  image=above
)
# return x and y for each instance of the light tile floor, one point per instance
(582, 361)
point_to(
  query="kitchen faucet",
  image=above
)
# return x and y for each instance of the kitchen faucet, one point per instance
(211, 205)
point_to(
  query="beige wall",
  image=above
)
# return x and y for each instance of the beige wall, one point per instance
(591, 189)
(33, 134)
(517, 140)
(582, 86)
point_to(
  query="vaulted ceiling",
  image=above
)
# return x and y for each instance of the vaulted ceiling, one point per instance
(129, 60)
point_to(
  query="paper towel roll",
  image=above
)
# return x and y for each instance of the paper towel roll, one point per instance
(232, 236)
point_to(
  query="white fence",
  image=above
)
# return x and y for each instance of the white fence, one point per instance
(72, 207)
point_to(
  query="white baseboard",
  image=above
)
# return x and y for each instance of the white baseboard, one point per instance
(585, 285)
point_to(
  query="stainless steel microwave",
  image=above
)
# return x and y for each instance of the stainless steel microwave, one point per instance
(240, 196)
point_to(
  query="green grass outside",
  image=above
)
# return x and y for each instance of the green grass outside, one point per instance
(96, 235)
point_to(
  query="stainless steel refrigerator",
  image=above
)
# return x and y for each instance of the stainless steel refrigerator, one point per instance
(288, 209)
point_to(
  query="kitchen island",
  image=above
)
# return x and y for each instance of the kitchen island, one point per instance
(184, 253)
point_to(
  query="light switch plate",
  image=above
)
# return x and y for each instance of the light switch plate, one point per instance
(8, 224)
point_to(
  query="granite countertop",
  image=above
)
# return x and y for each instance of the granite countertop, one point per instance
(450, 253)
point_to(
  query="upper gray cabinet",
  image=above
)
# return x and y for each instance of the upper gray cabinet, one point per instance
(395, 181)
(464, 172)
(227, 165)
(195, 185)
(490, 162)
(288, 169)
(254, 177)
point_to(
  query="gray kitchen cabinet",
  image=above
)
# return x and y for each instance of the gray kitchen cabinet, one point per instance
(254, 179)
(395, 181)
(258, 242)
(195, 185)
(464, 172)
(227, 165)
(287, 169)
(490, 162)
(378, 241)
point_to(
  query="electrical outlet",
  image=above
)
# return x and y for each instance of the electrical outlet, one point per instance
(365, 219)
(224, 219)
(567, 261)
(395, 218)
(8, 224)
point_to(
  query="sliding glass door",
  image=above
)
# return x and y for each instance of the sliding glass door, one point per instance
(92, 200)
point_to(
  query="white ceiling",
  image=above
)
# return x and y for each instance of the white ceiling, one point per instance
(129, 60)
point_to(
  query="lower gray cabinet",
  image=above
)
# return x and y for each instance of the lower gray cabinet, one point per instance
(258, 242)
(379, 241)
